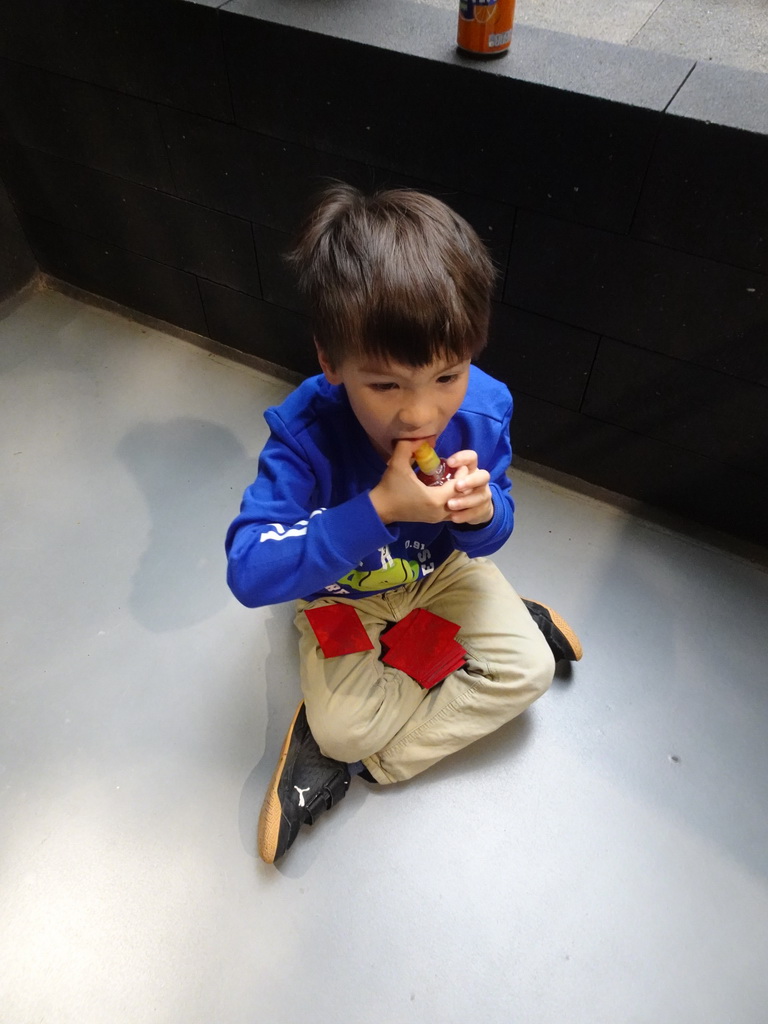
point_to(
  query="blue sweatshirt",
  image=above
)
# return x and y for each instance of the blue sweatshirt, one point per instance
(307, 527)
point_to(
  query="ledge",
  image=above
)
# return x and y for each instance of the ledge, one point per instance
(590, 67)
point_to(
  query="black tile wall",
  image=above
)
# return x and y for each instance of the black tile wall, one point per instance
(250, 175)
(710, 413)
(658, 298)
(132, 217)
(124, 277)
(538, 356)
(161, 50)
(671, 478)
(515, 142)
(248, 324)
(706, 193)
(17, 264)
(97, 127)
(278, 282)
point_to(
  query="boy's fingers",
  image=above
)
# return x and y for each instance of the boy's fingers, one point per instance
(460, 477)
(402, 453)
(466, 457)
(472, 481)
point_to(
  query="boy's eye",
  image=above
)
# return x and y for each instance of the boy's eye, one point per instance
(384, 386)
(448, 378)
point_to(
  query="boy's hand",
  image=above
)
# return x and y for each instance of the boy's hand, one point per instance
(472, 501)
(401, 496)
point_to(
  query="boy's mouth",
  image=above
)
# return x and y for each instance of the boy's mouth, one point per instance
(429, 438)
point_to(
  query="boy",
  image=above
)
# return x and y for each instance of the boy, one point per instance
(399, 289)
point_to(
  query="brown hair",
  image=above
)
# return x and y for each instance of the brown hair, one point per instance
(397, 275)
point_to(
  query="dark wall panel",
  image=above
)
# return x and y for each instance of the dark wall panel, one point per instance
(710, 413)
(94, 126)
(251, 325)
(629, 463)
(124, 277)
(278, 282)
(706, 193)
(247, 174)
(538, 356)
(657, 298)
(17, 263)
(132, 217)
(563, 153)
(166, 51)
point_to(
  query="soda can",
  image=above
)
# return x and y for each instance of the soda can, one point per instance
(485, 26)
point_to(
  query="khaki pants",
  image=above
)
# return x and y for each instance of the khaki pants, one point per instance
(360, 709)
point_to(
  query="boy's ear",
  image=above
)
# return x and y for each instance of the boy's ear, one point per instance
(330, 374)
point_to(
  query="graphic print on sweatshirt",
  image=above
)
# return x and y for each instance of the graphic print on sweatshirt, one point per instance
(383, 571)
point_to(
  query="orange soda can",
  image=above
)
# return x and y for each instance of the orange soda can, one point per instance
(485, 26)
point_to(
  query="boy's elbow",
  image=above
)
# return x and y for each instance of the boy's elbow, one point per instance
(243, 589)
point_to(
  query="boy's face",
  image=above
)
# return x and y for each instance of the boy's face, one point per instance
(394, 402)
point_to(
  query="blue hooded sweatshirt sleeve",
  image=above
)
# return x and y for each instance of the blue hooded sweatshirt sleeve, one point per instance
(307, 527)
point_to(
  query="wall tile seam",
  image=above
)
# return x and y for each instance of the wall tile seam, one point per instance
(224, 62)
(166, 153)
(550, 319)
(679, 88)
(149, 259)
(256, 260)
(208, 332)
(652, 149)
(631, 237)
(680, 360)
(632, 344)
(151, 100)
(138, 184)
(255, 298)
(743, 267)
(501, 278)
(647, 437)
(171, 266)
(738, 467)
(589, 374)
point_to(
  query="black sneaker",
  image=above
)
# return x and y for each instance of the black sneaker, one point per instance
(305, 784)
(562, 640)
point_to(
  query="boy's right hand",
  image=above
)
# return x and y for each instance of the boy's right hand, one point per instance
(401, 497)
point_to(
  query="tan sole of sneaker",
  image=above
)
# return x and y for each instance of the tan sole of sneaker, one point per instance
(567, 632)
(270, 816)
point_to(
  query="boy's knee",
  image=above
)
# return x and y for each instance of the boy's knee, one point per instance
(541, 666)
(532, 669)
(343, 740)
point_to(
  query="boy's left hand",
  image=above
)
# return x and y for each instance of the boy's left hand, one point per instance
(472, 502)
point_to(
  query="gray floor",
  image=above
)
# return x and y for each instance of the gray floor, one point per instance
(732, 32)
(602, 859)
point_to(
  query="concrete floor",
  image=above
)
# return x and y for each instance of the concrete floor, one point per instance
(602, 860)
(732, 32)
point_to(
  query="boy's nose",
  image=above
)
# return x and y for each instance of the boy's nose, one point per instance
(416, 419)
